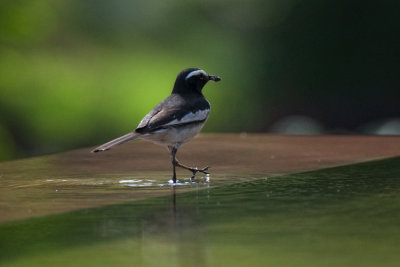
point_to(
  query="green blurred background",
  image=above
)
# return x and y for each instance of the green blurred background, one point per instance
(78, 73)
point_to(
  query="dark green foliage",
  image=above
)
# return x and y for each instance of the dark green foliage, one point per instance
(77, 73)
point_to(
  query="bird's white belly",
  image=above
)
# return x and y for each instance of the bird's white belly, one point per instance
(171, 136)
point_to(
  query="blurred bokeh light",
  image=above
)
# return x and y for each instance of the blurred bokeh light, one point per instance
(77, 73)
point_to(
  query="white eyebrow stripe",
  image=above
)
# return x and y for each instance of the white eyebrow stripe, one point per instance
(195, 73)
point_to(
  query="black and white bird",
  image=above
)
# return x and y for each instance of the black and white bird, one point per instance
(175, 120)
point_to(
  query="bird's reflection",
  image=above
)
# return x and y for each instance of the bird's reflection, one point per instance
(174, 200)
(187, 229)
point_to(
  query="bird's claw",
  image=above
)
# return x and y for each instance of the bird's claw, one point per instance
(196, 170)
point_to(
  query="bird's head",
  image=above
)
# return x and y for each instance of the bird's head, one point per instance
(192, 80)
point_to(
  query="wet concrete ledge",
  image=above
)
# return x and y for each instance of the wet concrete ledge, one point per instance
(79, 179)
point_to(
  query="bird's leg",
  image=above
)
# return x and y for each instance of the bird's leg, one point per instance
(173, 151)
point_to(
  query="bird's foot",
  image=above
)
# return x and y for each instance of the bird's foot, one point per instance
(203, 170)
(196, 170)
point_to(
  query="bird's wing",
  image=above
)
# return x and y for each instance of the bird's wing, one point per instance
(145, 121)
(172, 112)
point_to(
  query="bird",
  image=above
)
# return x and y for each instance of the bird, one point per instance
(176, 119)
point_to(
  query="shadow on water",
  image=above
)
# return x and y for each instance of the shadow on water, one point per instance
(345, 216)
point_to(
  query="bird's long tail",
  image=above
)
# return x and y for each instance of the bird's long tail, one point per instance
(125, 138)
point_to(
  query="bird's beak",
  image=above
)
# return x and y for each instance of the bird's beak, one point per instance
(214, 78)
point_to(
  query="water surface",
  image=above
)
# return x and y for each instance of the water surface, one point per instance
(79, 179)
(343, 216)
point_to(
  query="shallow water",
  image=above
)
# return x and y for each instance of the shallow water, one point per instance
(343, 216)
(79, 179)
